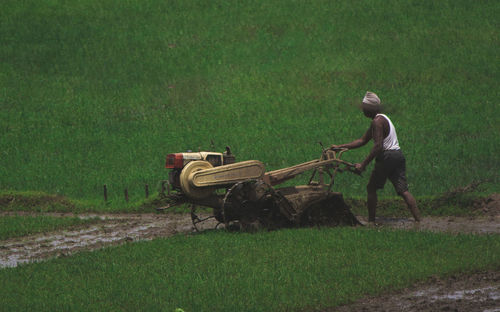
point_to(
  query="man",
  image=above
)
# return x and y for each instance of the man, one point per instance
(389, 160)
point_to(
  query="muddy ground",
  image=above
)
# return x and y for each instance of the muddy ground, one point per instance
(120, 228)
(479, 292)
(470, 293)
(113, 229)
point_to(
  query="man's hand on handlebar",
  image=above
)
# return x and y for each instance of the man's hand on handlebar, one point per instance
(337, 147)
(359, 167)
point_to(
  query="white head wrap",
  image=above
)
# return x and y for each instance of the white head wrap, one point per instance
(371, 101)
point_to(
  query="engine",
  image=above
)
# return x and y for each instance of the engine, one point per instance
(177, 162)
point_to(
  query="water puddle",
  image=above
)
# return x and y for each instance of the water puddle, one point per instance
(492, 293)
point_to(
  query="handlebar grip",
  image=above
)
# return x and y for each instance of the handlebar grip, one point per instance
(338, 149)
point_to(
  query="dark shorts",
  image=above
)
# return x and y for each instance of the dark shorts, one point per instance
(390, 165)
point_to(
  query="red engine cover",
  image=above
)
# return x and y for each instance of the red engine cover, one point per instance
(174, 161)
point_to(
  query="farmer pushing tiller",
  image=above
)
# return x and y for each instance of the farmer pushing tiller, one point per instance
(389, 160)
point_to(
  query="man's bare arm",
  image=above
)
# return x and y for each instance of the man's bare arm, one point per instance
(357, 143)
(378, 140)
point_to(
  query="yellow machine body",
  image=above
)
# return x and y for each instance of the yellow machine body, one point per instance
(199, 178)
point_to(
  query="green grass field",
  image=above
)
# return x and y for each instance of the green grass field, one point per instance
(95, 92)
(98, 92)
(288, 270)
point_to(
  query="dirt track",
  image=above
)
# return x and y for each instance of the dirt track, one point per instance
(120, 228)
(476, 225)
(115, 229)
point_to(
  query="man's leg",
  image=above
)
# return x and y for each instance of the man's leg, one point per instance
(377, 181)
(371, 203)
(412, 204)
(398, 179)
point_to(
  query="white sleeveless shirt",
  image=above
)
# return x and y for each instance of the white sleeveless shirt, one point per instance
(391, 141)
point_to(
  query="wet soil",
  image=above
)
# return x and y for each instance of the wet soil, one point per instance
(120, 228)
(486, 220)
(474, 292)
(452, 225)
(114, 229)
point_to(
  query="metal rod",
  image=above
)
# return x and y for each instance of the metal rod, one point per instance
(312, 176)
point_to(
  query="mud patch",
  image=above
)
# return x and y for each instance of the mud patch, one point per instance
(115, 230)
(476, 292)
(453, 225)
(485, 221)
